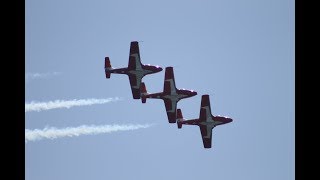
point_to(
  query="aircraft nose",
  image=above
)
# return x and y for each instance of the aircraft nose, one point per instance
(223, 119)
(159, 68)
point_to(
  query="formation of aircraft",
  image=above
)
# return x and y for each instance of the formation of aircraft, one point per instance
(170, 94)
(206, 121)
(135, 70)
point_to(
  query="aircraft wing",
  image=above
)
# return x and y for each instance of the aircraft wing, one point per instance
(205, 110)
(171, 108)
(135, 82)
(134, 56)
(206, 135)
(169, 86)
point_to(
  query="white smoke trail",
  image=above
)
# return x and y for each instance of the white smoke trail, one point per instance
(53, 133)
(40, 106)
(30, 76)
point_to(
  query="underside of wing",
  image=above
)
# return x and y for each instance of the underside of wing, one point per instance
(169, 82)
(134, 56)
(135, 86)
(206, 135)
(171, 107)
(203, 114)
(205, 101)
(205, 109)
(167, 87)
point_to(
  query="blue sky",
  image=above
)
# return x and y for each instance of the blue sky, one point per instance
(241, 53)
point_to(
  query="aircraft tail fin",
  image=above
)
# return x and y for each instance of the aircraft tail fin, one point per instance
(179, 118)
(107, 66)
(143, 92)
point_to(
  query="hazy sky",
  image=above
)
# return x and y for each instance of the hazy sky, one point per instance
(241, 53)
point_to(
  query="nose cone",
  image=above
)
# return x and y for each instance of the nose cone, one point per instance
(223, 120)
(193, 93)
(157, 68)
(228, 120)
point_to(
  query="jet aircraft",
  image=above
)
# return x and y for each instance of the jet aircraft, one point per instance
(206, 121)
(135, 70)
(170, 95)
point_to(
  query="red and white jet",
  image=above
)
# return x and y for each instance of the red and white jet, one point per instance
(170, 95)
(136, 71)
(206, 121)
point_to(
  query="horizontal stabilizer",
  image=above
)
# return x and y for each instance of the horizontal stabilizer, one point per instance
(108, 75)
(143, 91)
(107, 66)
(143, 88)
(107, 63)
(179, 125)
(179, 114)
(179, 118)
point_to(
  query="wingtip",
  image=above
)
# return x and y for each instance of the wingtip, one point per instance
(169, 73)
(205, 96)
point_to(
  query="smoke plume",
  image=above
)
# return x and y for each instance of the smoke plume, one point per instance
(53, 133)
(41, 106)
